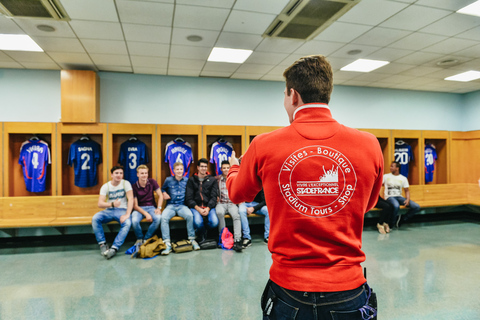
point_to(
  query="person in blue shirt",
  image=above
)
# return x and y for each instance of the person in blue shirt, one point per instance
(173, 191)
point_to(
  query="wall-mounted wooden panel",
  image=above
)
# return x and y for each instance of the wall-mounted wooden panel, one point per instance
(80, 96)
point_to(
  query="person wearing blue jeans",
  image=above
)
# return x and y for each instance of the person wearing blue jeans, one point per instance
(116, 198)
(258, 206)
(144, 204)
(394, 182)
(201, 197)
(173, 191)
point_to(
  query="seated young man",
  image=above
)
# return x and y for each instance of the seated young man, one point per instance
(201, 198)
(116, 197)
(174, 192)
(394, 182)
(144, 205)
(258, 206)
(224, 205)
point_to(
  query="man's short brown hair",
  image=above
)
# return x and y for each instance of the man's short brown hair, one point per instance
(140, 167)
(311, 77)
(176, 164)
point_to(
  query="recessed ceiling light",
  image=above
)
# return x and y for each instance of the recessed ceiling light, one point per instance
(18, 42)
(46, 28)
(194, 38)
(465, 76)
(472, 9)
(447, 62)
(354, 52)
(229, 55)
(364, 65)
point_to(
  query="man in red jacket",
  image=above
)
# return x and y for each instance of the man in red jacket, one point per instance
(319, 178)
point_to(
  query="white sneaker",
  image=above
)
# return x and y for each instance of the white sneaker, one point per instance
(167, 250)
(195, 245)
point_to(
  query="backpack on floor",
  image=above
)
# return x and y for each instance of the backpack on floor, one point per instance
(226, 239)
(151, 247)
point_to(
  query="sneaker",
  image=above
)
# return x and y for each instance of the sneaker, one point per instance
(265, 240)
(167, 250)
(398, 222)
(195, 245)
(103, 248)
(381, 228)
(386, 227)
(237, 246)
(246, 243)
(110, 253)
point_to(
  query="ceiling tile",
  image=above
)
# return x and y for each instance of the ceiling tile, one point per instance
(200, 17)
(419, 58)
(266, 58)
(343, 52)
(150, 13)
(238, 41)
(62, 28)
(154, 62)
(441, 74)
(342, 32)
(419, 71)
(25, 56)
(453, 24)
(319, 47)
(345, 75)
(41, 65)
(472, 34)
(148, 49)
(186, 52)
(272, 77)
(59, 44)
(97, 29)
(371, 77)
(105, 46)
(473, 64)
(180, 35)
(450, 45)
(114, 68)
(388, 54)
(417, 41)
(279, 45)
(338, 63)
(420, 81)
(216, 74)
(252, 68)
(264, 6)
(445, 4)
(183, 72)
(246, 76)
(208, 3)
(5, 57)
(414, 18)
(383, 10)
(356, 83)
(110, 59)
(91, 10)
(472, 52)
(221, 66)
(144, 33)
(196, 65)
(248, 22)
(397, 79)
(70, 58)
(11, 64)
(8, 26)
(381, 37)
(394, 68)
(142, 70)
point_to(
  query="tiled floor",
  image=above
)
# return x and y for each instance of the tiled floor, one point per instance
(423, 271)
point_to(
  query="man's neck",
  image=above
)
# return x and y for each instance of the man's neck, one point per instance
(396, 173)
(115, 183)
(201, 176)
(224, 176)
(179, 178)
(142, 183)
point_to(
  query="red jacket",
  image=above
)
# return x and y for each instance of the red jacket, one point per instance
(319, 178)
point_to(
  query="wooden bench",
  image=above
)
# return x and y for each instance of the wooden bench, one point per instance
(63, 211)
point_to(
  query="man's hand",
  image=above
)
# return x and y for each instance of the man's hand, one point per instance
(148, 217)
(166, 196)
(250, 210)
(407, 202)
(117, 203)
(123, 218)
(158, 211)
(233, 160)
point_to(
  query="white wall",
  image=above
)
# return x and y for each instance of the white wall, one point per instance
(34, 96)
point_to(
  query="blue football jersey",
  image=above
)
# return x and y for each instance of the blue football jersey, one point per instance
(132, 154)
(179, 152)
(85, 156)
(403, 155)
(430, 158)
(221, 151)
(34, 158)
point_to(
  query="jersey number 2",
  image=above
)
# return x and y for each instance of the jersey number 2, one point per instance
(86, 157)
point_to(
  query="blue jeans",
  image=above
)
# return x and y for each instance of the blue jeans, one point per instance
(242, 209)
(137, 217)
(396, 202)
(106, 216)
(290, 304)
(182, 211)
(199, 224)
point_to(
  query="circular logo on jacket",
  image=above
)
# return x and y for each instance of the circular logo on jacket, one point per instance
(317, 181)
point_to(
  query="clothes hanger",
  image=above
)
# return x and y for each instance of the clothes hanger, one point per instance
(221, 139)
(133, 138)
(35, 137)
(400, 141)
(179, 139)
(85, 137)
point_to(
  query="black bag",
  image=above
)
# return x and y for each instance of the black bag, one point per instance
(182, 246)
(208, 244)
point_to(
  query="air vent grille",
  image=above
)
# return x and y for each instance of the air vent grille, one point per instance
(36, 9)
(305, 19)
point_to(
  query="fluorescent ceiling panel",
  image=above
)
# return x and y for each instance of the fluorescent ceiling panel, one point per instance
(472, 9)
(465, 76)
(229, 55)
(18, 42)
(364, 65)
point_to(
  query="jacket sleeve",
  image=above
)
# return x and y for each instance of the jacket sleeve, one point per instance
(377, 185)
(189, 194)
(213, 195)
(243, 182)
(260, 198)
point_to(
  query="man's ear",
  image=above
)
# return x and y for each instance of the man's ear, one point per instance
(295, 96)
